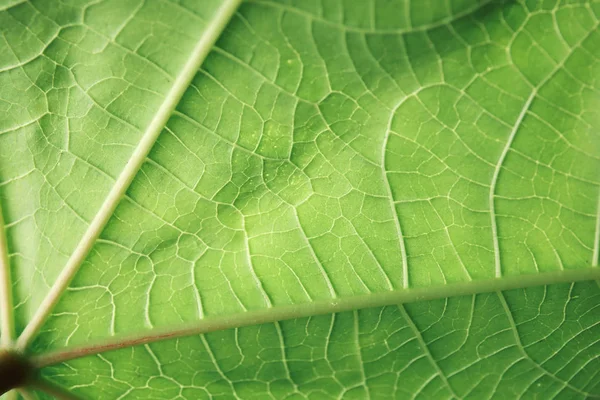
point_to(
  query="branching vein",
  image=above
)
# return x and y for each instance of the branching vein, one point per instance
(516, 126)
(138, 157)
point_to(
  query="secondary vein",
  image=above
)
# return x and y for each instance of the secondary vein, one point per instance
(517, 125)
(396, 217)
(492, 204)
(181, 83)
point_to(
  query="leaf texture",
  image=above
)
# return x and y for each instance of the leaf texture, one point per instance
(322, 157)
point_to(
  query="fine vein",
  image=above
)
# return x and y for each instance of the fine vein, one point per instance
(6, 308)
(138, 157)
(336, 305)
(519, 344)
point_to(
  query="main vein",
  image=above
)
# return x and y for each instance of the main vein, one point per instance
(6, 307)
(181, 83)
(279, 313)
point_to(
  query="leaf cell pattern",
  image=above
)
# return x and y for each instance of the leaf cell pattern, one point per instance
(324, 150)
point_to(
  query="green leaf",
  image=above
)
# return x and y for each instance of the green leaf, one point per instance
(189, 221)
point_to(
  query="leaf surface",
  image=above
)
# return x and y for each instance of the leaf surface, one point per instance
(322, 158)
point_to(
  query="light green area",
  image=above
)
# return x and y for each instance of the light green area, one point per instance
(325, 150)
(291, 166)
(80, 82)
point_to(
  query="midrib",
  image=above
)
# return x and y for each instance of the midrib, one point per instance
(181, 83)
(280, 313)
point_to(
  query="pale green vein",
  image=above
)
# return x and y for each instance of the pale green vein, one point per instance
(370, 251)
(361, 363)
(526, 356)
(284, 357)
(322, 270)
(511, 138)
(181, 83)
(334, 305)
(253, 274)
(218, 368)
(7, 328)
(396, 217)
(11, 5)
(426, 350)
(505, 150)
